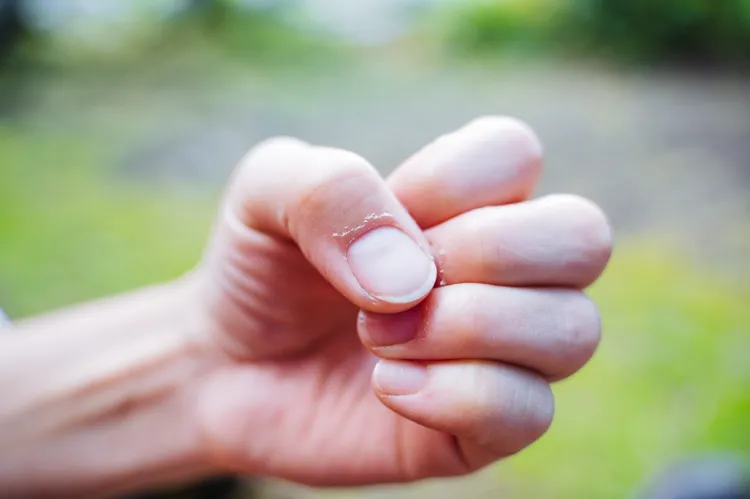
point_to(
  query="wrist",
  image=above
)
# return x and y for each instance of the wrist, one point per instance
(98, 399)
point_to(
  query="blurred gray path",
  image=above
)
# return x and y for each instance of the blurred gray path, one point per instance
(665, 152)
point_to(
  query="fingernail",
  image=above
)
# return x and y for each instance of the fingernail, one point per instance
(381, 330)
(390, 266)
(399, 378)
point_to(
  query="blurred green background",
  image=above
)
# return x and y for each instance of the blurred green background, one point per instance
(120, 121)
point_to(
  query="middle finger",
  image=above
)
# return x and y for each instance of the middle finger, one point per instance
(559, 240)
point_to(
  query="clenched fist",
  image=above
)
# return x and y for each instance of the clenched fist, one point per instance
(341, 329)
(381, 330)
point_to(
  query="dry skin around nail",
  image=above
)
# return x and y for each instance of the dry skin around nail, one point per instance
(369, 222)
(387, 262)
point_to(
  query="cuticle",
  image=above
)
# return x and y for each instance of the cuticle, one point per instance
(370, 223)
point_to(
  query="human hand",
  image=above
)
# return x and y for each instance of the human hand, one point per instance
(318, 268)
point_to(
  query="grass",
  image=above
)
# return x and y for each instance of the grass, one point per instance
(671, 377)
(261, 38)
(69, 234)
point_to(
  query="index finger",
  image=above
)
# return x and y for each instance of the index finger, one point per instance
(491, 161)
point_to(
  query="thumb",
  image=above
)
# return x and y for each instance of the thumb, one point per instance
(339, 212)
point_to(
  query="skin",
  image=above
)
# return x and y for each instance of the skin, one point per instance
(306, 347)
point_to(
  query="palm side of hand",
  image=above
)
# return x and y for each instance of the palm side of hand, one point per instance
(323, 423)
(315, 403)
(293, 397)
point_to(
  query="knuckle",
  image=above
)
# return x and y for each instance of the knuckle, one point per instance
(590, 224)
(500, 408)
(342, 161)
(581, 331)
(536, 410)
(528, 411)
(544, 411)
(506, 129)
(268, 152)
(250, 178)
(332, 167)
(334, 179)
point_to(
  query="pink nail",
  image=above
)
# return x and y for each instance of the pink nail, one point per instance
(399, 378)
(382, 330)
(390, 266)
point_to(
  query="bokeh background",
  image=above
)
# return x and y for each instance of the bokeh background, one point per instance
(120, 121)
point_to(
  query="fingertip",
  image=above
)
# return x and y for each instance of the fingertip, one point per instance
(272, 151)
(511, 147)
(339, 211)
(589, 222)
(494, 126)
